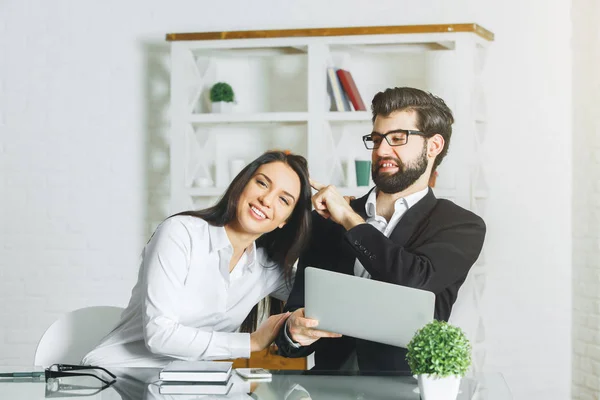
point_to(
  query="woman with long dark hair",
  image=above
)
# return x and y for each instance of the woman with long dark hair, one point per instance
(203, 273)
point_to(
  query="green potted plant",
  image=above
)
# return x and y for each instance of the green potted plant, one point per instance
(222, 97)
(439, 355)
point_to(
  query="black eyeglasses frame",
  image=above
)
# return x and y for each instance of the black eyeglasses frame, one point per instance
(65, 370)
(369, 138)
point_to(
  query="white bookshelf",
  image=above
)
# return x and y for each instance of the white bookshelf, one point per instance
(280, 84)
(348, 116)
(279, 78)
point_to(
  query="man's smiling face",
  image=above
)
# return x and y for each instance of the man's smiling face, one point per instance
(395, 168)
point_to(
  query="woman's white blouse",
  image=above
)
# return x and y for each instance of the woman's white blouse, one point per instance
(186, 304)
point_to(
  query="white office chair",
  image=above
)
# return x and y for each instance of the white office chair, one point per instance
(75, 334)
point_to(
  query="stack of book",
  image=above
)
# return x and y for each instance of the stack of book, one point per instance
(343, 90)
(196, 377)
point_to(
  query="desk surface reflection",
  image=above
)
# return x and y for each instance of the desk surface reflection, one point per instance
(143, 383)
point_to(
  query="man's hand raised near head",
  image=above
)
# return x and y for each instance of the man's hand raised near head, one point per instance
(329, 203)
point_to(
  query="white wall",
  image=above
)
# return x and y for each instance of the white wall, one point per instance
(586, 186)
(82, 177)
(529, 213)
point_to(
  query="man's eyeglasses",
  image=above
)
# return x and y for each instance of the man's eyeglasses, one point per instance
(398, 137)
(65, 380)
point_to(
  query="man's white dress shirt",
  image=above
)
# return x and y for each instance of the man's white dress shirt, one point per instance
(186, 304)
(400, 207)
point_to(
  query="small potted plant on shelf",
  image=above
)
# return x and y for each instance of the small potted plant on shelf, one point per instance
(439, 355)
(221, 97)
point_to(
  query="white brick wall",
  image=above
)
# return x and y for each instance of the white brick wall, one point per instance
(586, 200)
(82, 159)
(528, 248)
(74, 187)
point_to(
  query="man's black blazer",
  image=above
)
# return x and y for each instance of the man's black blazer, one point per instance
(433, 247)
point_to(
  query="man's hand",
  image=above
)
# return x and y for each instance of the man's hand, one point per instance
(349, 198)
(302, 330)
(329, 203)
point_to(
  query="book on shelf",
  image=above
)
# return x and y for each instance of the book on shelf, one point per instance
(334, 87)
(351, 90)
(220, 388)
(196, 371)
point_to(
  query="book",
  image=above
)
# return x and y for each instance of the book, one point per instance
(336, 90)
(351, 90)
(196, 371)
(221, 388)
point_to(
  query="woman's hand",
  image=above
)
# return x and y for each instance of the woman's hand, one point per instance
(267, 332)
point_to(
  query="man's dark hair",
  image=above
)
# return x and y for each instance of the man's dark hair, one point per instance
(433, 115)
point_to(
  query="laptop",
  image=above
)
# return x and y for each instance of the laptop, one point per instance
(364, 308)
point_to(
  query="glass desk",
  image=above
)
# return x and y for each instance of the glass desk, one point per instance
(143, 384)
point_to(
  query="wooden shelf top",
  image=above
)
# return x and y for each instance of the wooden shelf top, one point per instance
(348, 31)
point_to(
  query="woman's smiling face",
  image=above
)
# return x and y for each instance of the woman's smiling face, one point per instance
(268, 199)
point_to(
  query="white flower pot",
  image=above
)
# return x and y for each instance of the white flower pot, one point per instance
(433, 387)
(222, 107)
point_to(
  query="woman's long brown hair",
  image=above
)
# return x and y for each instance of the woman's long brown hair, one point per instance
(283, 245)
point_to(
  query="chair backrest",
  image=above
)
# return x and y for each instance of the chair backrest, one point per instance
(75, 334)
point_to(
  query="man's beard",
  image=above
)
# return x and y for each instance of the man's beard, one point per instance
(401, 180)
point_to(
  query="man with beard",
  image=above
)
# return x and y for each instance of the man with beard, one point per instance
(399, 232)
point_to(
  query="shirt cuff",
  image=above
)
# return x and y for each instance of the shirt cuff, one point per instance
(288, 338)
(233, 345)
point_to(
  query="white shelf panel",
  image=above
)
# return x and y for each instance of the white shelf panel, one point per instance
(245, 52)
(397, 47)
(206, 191)
(214, 191)
(344, 190)
(272, 45)
(362, 190)
(236, 118)
(348, 116)
(357, 192)
(481, 194)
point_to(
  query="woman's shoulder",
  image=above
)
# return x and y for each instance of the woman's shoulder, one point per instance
(267, 265)
(188, 220)
(273, 276)
(185, 225)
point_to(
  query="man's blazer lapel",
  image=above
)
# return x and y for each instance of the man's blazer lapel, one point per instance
(408, 224)
(346, 257)
(413, 219)
(358, 205)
